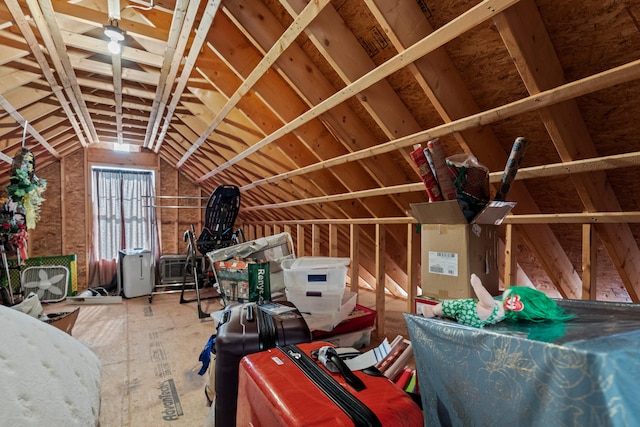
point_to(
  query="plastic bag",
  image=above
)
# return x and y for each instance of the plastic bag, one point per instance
(471, 181)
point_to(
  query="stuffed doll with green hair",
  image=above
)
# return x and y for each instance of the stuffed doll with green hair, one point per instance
(516, 303)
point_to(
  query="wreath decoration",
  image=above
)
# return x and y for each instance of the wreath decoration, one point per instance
(25, 188)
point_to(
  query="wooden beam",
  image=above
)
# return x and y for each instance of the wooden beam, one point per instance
(347, 56)
(23, 122)
(333, 240)
(181, 24)
(195, 49)
(91, 16)
(510, 258)
(354, 253)
(44, 17)
(617, 75)
(316, 240)
(92, 44)
(300, 240)
(380, 279)
(289, 36)
(116, 63)
(525, 35)
(31, 40)
(575, 218)
(474, 16)
(413, 264)
(589, 262)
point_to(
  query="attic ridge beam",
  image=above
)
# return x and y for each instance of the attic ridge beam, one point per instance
(18, 118)
(194, 50)
(615, 76)
(96, 17)
(92, 44)
(297, 26)
(116, 63)
(176, 44)
(31, 40)
(44, 18)
(113, 6)
(461, 24)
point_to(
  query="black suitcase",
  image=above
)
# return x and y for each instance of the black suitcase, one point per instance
(246, 329)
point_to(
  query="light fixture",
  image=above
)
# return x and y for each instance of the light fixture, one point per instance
(116, 35)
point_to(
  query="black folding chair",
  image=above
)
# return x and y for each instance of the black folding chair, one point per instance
(220, 215)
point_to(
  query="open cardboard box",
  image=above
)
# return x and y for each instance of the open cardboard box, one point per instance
(453, 249)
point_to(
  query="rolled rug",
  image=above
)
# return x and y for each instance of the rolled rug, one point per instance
(440, 167)
(513, 163)
(420, 160)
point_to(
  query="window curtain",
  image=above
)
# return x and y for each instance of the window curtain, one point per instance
(122, 218)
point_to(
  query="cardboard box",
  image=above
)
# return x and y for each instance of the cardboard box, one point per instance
(453, 249)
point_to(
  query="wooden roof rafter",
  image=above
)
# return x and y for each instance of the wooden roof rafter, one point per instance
(30, 37)
(196, 46)
(183, 20)
(44, 18)
(540, 68)
(479, 13)
(288, 37)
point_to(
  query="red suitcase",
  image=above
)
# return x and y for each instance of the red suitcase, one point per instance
(248, 328)
(274, 391)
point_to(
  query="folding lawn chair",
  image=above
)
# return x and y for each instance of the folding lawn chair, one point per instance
(220, 215)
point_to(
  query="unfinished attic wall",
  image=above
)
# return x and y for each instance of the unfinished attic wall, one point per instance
(46, 238)
(62, 229)
(168, 218)
(173, 222)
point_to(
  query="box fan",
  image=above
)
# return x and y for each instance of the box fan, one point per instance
(48, 282)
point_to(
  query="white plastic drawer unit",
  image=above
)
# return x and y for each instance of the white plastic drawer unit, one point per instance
(315, 273)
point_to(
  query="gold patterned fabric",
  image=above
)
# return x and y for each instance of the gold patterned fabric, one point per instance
(582, 372)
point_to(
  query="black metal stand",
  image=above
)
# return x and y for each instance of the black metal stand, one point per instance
(8, 292)
(195, 273)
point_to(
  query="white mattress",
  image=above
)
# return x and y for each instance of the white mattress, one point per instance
(47, 377)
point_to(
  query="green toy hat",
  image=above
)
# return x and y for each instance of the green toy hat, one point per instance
(524, 303)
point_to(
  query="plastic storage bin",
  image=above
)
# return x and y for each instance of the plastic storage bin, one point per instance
(315, 273)
(314, 302)
(357, 339)
(360, 318)
(326, 320)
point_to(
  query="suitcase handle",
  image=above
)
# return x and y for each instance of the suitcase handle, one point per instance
(329, 357)
(226, 316)
(249, 315)
(360, 414)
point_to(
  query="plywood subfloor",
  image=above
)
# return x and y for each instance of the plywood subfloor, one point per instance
(149, 354)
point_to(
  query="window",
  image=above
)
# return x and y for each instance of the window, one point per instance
(122, 217)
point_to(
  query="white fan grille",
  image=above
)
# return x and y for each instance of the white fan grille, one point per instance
(48, 282)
